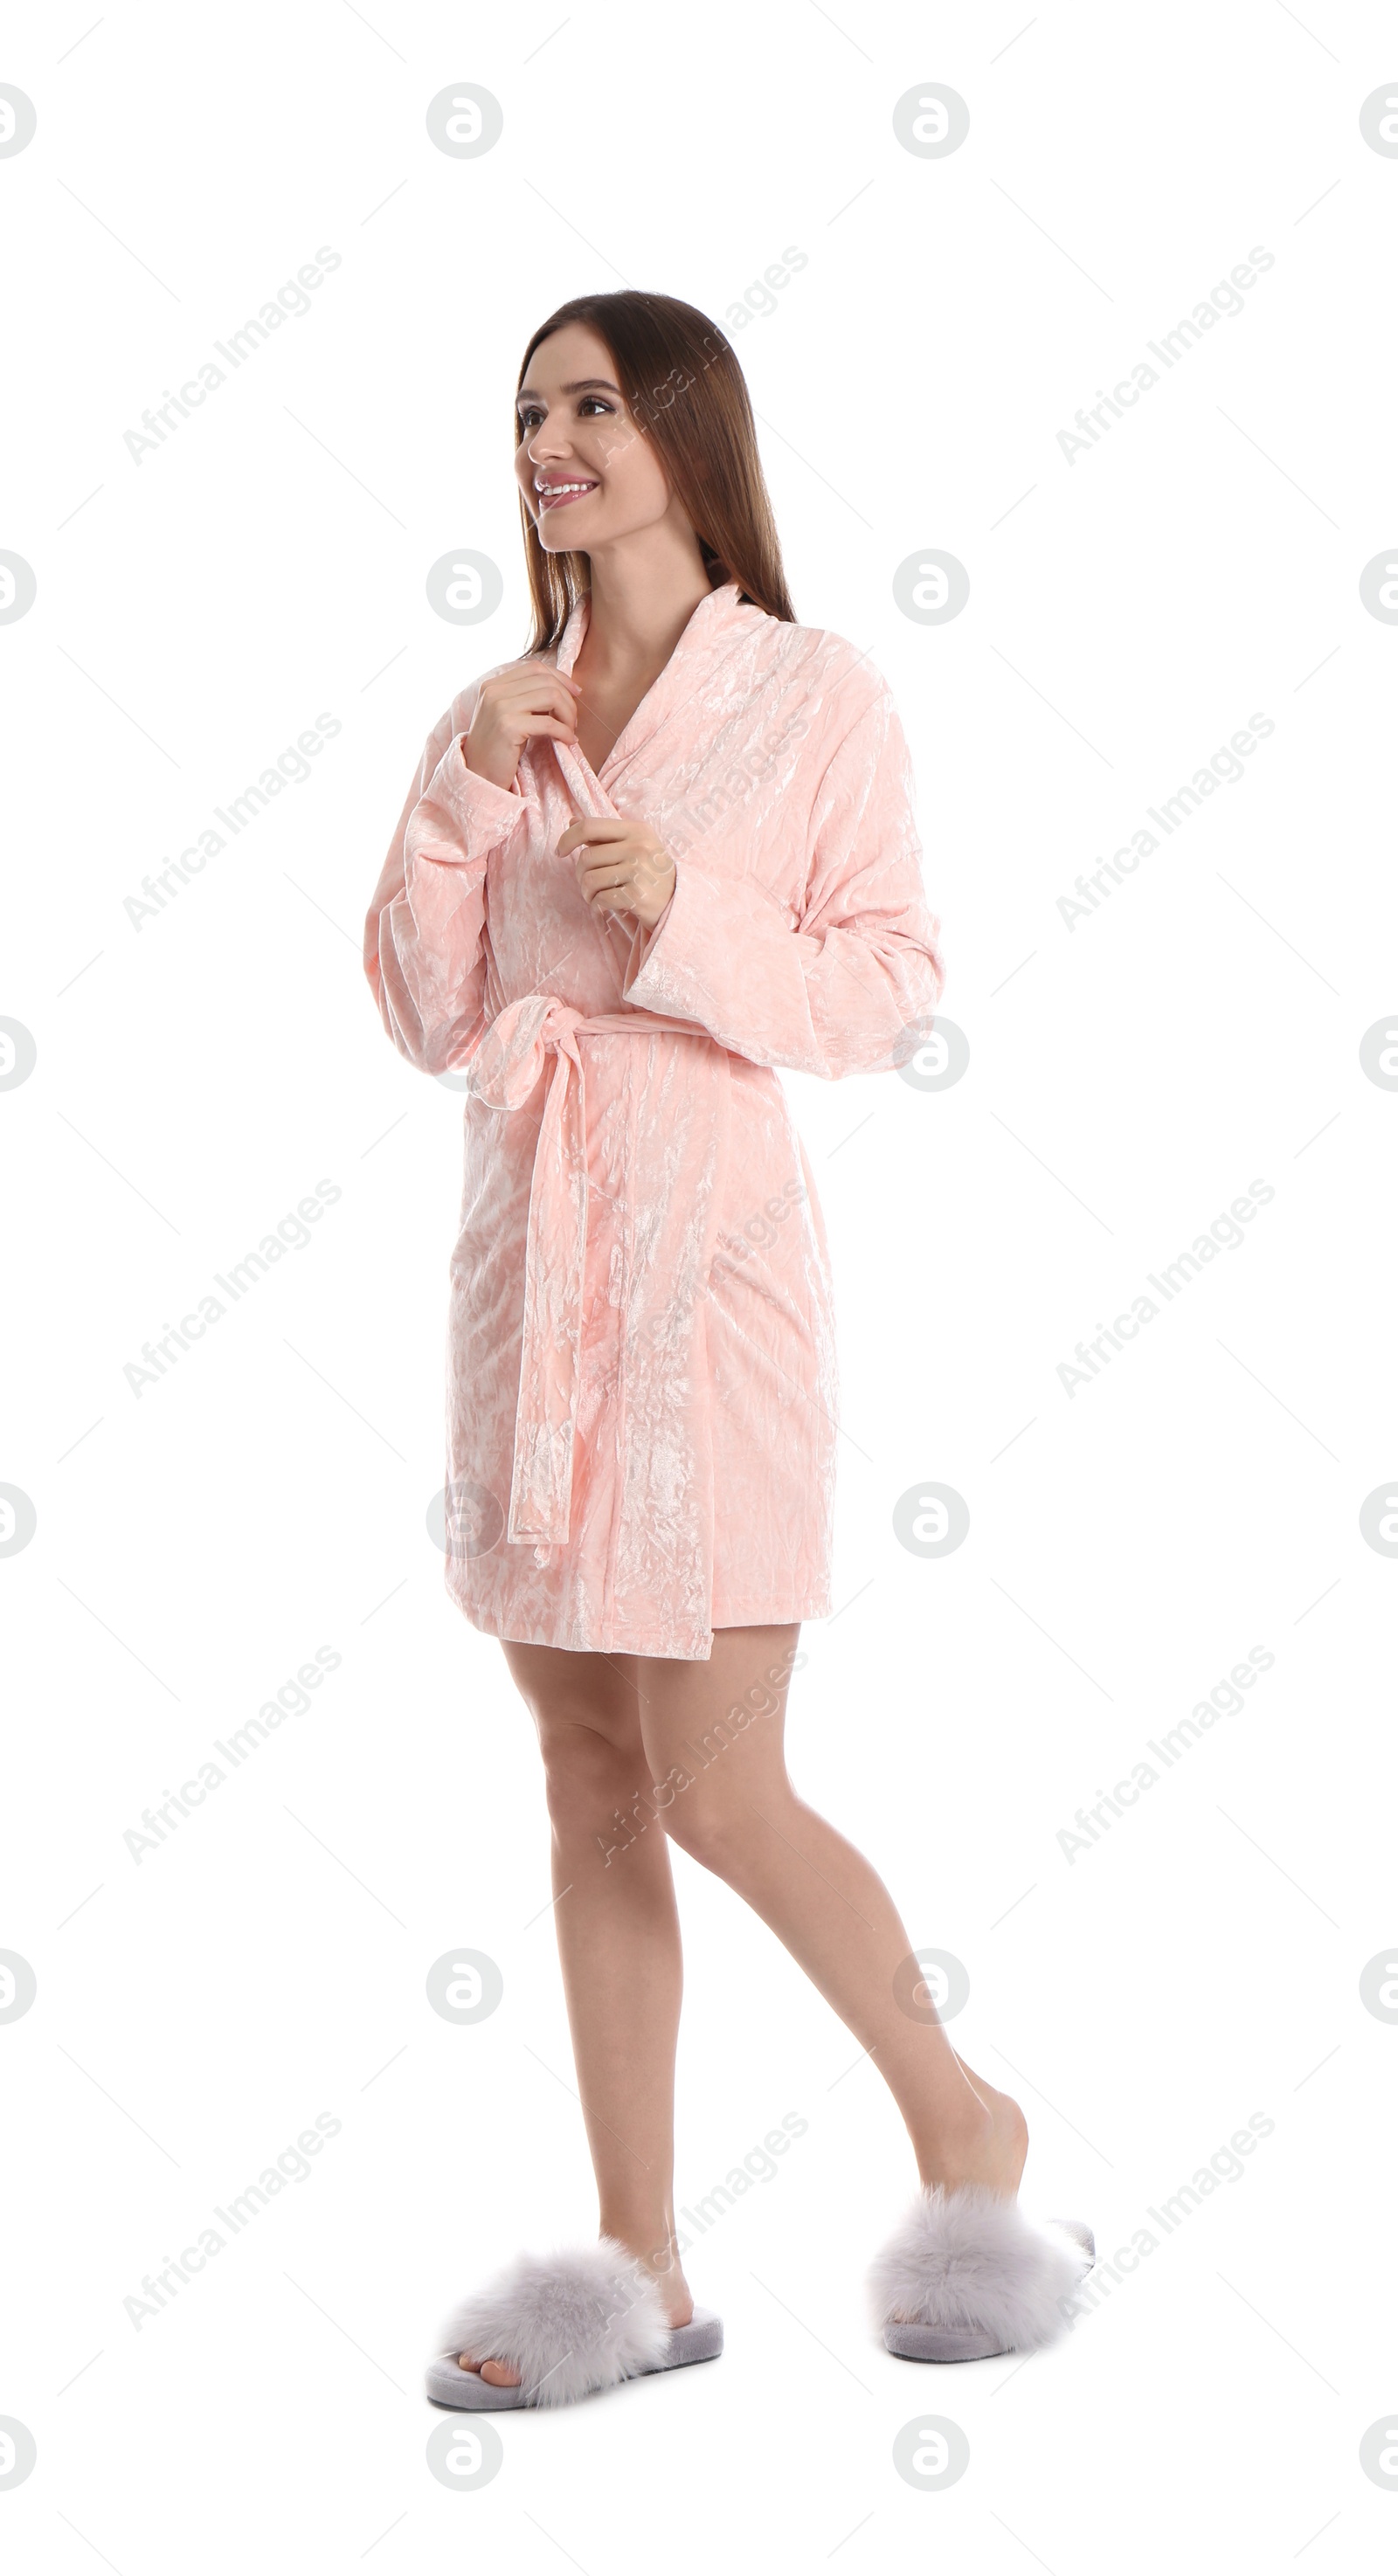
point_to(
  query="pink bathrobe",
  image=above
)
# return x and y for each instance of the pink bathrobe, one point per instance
(641, 1413)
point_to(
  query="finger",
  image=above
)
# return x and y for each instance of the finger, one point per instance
(541, 688)
(550, 702)
(599, 828)
(580, 846)
(603, 867)
(604, 871)
(540, 662)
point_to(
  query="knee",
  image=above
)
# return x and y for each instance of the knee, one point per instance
(715, 1832)
(586, 1774)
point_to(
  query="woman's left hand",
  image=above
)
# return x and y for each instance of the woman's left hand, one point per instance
(621, 866)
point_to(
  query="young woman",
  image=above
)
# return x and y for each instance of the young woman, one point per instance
(669, 850)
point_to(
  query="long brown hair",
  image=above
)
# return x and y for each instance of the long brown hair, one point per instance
(685, 390)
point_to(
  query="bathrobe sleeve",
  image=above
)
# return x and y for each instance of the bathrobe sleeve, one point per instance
(838, 989)
(424, 953)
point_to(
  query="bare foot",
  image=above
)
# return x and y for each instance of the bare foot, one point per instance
(675, 2297)
(499, 2373)
(989, 2146)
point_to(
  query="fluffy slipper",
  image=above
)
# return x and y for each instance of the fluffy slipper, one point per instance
(966, 2275)
(581, 2319)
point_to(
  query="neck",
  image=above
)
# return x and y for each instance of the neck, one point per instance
(644, 591)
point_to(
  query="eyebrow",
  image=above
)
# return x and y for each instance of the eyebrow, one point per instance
(583, 385)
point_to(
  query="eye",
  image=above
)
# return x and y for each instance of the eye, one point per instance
(597, 400)
(529, 415)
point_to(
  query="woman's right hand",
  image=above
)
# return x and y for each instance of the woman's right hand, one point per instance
(530, 698)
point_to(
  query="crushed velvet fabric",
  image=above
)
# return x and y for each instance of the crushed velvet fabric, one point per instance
(641, 1377)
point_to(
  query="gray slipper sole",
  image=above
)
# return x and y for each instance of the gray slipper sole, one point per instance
(940, 2343)
(449, 2385)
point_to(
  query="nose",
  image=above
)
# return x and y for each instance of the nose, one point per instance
(547, 447)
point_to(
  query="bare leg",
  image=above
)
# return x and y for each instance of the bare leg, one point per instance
(629, 1744)
(619, 1946)
(741, 1816)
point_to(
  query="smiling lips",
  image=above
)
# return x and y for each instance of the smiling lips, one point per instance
(556, 496)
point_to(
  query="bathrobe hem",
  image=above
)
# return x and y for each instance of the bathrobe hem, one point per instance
(612, 1640)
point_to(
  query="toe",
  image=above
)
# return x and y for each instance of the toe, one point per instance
(499, 2374)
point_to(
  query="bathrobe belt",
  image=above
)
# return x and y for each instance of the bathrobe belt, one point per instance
(503, 1073)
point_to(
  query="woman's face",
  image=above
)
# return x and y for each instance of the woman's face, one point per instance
(588, 474)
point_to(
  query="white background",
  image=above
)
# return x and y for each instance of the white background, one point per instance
(195, 611)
